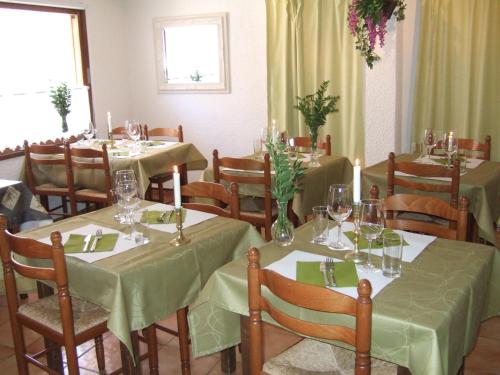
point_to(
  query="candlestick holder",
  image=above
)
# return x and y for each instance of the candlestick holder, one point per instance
(112, 141)
(179, 238)
(356, 255)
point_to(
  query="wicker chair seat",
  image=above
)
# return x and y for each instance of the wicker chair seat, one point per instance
(48, 187)
(90, 193)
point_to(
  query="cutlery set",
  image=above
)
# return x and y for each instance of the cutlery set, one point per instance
(165, 217)
(328, 269)
(88, 246)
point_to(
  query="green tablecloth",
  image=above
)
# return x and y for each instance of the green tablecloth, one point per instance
(153, 161)
(481, 185)
(427, 320)
(145, 284)
(314, 183)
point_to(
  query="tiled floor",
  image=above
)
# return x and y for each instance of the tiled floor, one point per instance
(483, 360)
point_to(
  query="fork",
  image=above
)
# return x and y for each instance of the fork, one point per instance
(165, 215)
(98, 236)
(330, 267)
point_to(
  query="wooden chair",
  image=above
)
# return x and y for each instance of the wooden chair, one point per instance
(477, 149)
(65, 320)
(120, 132)
(223, 198)
(305, 142)
(298, 358)
(81, 159)
(156, 191)
(48, 155)
(255, 210)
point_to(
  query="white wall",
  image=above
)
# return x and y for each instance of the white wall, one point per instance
(227, 122)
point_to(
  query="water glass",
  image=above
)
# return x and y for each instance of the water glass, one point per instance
(257, 148)
(141, 234)
(320, 224)
(393, 252)
(120, 214)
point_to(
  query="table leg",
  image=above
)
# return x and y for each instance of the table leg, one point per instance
(129, 366)
(228, 360)
(182, 326)
(245, 341)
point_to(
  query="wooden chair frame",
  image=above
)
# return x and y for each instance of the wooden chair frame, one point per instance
(469, 144)
(263, 179)
(164, 132)
(322, 144)
(49, 155)
(223, 198)
(308, 297)
(85, 158)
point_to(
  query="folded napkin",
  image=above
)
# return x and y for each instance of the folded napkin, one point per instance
(75, 243)
(345, 274)
(153, 217)
(120, 153)
(104, 141)
(363, 242)
(151, 143)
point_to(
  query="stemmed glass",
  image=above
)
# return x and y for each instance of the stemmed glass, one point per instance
(430, 141)
(89, 132)
(133, 131)
(122, 176)
(127, 191)
(339, 208)
(371, 225)
(450, 145)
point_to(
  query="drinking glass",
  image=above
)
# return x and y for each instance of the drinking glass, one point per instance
(371, 225)
(320, 224)
(127, 191)
(257, 148)
(89, 132)
(124, 175)
(450, 145)
(339, 208)
(429, 141)
(393, 252)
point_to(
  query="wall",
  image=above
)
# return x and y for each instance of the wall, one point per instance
(228, 122)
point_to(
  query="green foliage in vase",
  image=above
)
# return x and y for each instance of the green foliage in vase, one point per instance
(315, 107)
(286, 171)
(61, 98)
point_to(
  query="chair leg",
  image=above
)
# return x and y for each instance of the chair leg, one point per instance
(99, 352)
(150, 333)
(72, 360)
(44, 201)
(19, 348)
(182, 326)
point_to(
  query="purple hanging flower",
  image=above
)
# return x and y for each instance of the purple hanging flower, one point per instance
(382, 30)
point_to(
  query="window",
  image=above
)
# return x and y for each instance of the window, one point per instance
(41, 48)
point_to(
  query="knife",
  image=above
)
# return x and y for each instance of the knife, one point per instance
(86, 242)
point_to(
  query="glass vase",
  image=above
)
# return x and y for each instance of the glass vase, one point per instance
(314, 148)
(64, 124)
(282, 229)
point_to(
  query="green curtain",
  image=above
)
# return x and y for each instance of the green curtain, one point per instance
(308, 42)
(458, 70)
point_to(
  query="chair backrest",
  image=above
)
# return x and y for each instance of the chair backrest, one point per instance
(88, 158)
(425, 171)
(164, 132)
(42, 155)
(217, 192)
(309, 297)
(30, 249)
(306, 142)
(120, 132)
(478, 150)
(435, 207)
(254, 173)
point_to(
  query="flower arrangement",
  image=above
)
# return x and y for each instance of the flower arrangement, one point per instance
(61, 98)
(315, 108)
(368, 22)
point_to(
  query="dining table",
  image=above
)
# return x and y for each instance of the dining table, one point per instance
(426, 320)
(140, 284)
(145, 158)
(313, 185)
(481, 185)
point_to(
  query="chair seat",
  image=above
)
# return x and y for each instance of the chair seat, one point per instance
(255, 205)
(161, 177)
(51, 188)
(422, 217)
(90, 194)
(46, 311)
(311, 357)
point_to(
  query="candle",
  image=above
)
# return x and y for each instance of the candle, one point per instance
(356, 191)
(110, 127)
(177, 188)
(450, 141)
(274, 131)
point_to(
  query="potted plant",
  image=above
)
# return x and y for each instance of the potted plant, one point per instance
(286, 173)
(315, 108)
(61, 98)
(368, 21)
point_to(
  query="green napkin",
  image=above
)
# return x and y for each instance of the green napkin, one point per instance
(104, 141)
(75, 243)
(154, 216)
(120, 153)
(363, 242)
(345, 274)
(151, 143)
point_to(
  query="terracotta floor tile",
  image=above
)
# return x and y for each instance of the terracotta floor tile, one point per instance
(485, 356)
(490, 328)
(5, 352)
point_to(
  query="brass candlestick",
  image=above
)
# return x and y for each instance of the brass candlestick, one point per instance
(112, 141)
(179, 238)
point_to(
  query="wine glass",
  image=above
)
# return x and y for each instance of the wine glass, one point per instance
(339, 208)
(89, 132)
(133, 131)
(450, 145)
(429, 141)
(371, 225)
(127, 191)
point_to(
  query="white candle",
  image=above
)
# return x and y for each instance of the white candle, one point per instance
(450, 141)
(177, 188)
(356, 191)
(110, 127)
